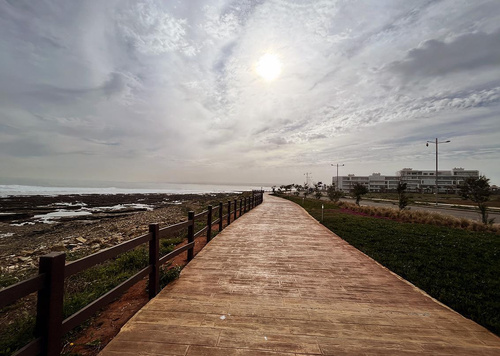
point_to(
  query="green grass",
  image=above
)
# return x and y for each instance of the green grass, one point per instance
(458, 267)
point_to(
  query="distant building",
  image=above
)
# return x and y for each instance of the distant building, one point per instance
(417, 180)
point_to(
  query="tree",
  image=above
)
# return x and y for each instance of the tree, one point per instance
(402, 197)
(306, 190)
(317, 191)
(334, 194)
(478, 190)
(359, 190)
(298, 189)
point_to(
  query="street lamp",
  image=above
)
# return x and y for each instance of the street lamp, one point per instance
(341, 165)
(437, 143)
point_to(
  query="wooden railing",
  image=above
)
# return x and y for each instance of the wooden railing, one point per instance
(53, 269)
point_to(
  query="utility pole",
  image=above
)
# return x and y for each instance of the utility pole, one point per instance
(437, 144)
(341, 165)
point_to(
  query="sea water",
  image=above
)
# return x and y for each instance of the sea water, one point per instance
(170, 188)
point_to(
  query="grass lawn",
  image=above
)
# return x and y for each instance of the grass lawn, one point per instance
(460, 268)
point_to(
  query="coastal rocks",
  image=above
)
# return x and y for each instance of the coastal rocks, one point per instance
(23, 242)
(58, 247)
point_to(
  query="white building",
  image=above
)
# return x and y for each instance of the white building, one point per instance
(417, 180)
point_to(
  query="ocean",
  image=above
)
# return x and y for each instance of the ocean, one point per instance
(167, 188)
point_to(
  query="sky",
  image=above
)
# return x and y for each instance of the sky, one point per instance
(171, 91)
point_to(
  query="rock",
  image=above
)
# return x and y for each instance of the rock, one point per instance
(27, 252)
(58, 248)
(23, 259)
(81, 239)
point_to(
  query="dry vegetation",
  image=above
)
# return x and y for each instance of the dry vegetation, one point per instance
(420, 217)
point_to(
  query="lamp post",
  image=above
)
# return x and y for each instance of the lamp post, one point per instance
(437, 144)
(341, 165)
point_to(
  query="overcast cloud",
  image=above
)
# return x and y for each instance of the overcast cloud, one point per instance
(166, 91)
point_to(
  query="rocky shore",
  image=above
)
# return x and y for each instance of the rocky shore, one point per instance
(31, 226)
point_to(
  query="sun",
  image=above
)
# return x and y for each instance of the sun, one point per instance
(268, 67)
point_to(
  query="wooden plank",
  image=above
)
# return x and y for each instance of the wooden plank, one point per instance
(200, 232)
(31, 349)
(21, 289)
(176, 252)
(166, 231)
(85, 313)
(104, 255)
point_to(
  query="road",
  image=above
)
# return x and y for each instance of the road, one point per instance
(458, 213)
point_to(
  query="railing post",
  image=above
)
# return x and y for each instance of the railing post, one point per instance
(190, 252)
(49, 314)
(209, 224)
(241, 206)
(154, 256)
(220, 216)
(229, 212)
(244, 205)
(253, 200)
(235, 208)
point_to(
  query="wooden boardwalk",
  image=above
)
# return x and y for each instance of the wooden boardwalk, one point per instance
(275, 282)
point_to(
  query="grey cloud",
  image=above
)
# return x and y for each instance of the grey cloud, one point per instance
(277, 140)
(116, 84)
(316, 136)
(48, 93)
(26, 147)
(101, 142)
(437, 58)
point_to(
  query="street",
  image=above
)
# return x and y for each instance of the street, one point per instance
(458, 213)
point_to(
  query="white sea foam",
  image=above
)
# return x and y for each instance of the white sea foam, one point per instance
(24, 223)
(123, 206)
(49, 217)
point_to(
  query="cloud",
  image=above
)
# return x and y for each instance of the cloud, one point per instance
(467, 52)
(151, 30)
(170, 87)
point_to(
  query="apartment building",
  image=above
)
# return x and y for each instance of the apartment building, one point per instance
(417, 180)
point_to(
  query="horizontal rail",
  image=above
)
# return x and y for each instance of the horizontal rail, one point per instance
(202, 214)
(33, 348)
(200, 232)
(106, 254)
(175, 252)
(21, 289)
(174, 228)
(85, 313)
(215, 222)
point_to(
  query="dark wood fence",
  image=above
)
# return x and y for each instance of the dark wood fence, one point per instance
(53, 269)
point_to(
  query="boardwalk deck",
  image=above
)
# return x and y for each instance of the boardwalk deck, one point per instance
(276, 282)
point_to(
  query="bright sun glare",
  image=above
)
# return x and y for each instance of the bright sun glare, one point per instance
(268, 67)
